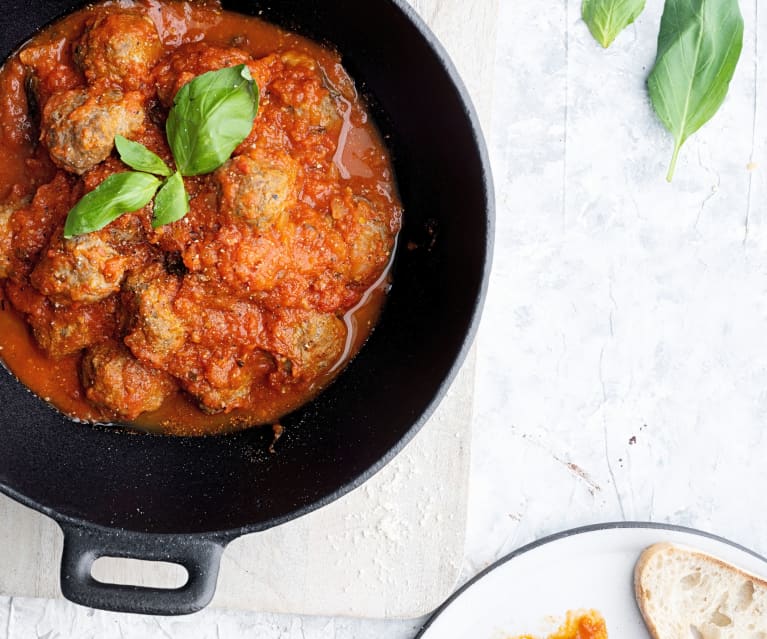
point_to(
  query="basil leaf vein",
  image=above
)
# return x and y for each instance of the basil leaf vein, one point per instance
(172, 201)
(120, 193)
(607, 18)
(212, 115)
(138, 157)
(699, 46)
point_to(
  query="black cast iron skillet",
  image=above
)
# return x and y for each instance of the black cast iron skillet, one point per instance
(183, 500)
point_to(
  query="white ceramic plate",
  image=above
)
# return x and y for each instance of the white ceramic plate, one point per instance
(530, 590)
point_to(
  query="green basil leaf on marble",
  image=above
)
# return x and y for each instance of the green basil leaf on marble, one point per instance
(699, 46)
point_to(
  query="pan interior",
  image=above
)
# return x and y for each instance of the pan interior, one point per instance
(233, 483)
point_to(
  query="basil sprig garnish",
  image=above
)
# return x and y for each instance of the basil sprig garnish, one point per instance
(211, 116)
(699, 47)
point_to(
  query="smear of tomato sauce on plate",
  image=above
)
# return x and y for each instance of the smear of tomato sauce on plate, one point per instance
(578, 625)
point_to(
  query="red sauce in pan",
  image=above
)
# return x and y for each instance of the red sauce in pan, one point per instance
(249, 306)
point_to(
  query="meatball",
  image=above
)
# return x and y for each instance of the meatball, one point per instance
(190, 60)
(121, 48)
(368, 235)
(62, 330)
(34, 224)
(48, 72)
(6, 237)
(155, 330)
(223, 384)
(113, 378)
(67, 330)
(219, 360)
(311, 99)
(79, 126)
(258, 191)
(81, 269)
(310, 342)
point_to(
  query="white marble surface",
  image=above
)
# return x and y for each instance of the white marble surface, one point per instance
(621, 307)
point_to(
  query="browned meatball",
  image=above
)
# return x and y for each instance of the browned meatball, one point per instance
(113, 378)
(67, 332)
(82, 269)
(155, 330)
(311, 342)
(368, 235)
(79, 126)
(223, 384)
(34, 224)
(47, 72)
(256, 190)
(6, 238)
(313, 102)
(63, 330)
(121, 48)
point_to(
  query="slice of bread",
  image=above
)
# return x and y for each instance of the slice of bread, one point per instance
(686, 594)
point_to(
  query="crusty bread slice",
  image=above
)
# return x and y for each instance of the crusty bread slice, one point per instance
(686, 594)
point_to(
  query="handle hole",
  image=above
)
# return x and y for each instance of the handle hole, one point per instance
(138, 572)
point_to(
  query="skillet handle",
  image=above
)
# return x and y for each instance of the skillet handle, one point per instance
(200, 556)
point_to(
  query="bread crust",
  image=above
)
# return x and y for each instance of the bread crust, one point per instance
(673, 550)
(639, 592)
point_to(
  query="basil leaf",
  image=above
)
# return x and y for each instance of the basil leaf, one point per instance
(120, 193)
(607, 18)
(698, 49)
(172, 202)
(138, 157)
(212, 115)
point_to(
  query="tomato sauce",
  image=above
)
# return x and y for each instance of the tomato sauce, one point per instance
(578, 625)
(245, 309)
